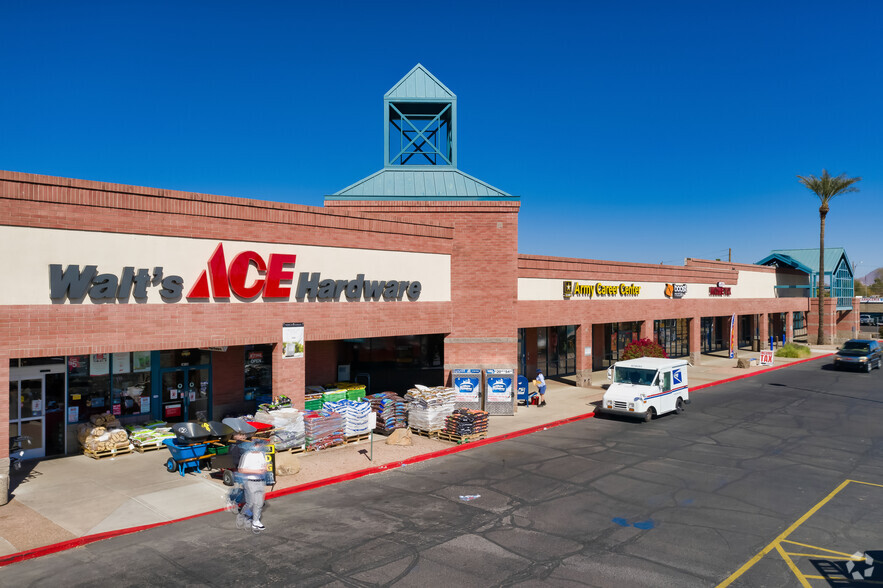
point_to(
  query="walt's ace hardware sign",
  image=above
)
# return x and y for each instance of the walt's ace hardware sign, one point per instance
(70, 267)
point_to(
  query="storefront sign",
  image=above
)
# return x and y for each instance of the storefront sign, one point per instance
(498, 385)
(145, 404)
(73, 414)
(766, 357)
(247, 277)
(293, 340)
(675, 290)
(467, 383)
(719, 290)
(599, 290)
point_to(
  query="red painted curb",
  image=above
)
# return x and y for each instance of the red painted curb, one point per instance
(750, 374)
(87, 539)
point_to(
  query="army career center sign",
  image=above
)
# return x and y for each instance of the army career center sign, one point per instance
(598, 290)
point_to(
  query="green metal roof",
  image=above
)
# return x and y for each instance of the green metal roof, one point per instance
(419, 84)
(809, 258)
(413, 183)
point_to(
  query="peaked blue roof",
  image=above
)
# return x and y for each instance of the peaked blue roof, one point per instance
(419, 84)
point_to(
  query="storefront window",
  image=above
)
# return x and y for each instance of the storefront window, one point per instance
(674, 336)
(131, 383)
(800, 326)
(88, 385)
(259, 373)
(617, 337)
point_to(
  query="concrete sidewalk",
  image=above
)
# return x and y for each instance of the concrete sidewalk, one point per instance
(63, 499)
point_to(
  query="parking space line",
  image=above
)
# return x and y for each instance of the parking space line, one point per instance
(848, 555)
(775, 542)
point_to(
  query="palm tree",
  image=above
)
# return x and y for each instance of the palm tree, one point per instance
(826, 187)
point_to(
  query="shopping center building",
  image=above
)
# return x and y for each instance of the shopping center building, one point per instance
(159, 304)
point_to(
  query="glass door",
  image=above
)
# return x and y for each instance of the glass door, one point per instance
(186, 395)
(36, 409)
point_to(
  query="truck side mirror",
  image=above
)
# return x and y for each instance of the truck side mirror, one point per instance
(610, 373)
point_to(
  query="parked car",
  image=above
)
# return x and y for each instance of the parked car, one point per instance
(865, 319)
(862, 354)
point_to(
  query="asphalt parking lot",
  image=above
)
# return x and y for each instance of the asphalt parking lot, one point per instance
(787, 462)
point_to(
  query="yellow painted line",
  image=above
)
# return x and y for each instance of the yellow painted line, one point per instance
(793, 567)
(849, 555)
(847, 558)
(745, 567)
(867, 483)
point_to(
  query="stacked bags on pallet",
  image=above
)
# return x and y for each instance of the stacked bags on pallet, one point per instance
(428, 407)
(353, 391)
(390, 409)
(355, 415)
(103, 433)
(288, 425)
(323, 428)
(149, 434)
(464, 422)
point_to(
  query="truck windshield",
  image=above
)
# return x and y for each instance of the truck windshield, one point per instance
(624, 375)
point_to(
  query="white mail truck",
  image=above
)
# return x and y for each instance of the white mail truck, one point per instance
(645, 387)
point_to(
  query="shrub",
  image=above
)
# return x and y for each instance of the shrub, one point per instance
(793, 350)
(643, 348)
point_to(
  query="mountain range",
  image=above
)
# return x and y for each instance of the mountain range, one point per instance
(872, 276)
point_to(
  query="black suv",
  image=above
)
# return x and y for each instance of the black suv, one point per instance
(863, 354)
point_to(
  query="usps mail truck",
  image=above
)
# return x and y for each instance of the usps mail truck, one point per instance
(645, 387)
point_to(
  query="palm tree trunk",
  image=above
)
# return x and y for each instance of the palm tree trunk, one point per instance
(821, 289)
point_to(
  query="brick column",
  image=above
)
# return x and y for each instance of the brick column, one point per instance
(764, 330)
(4, 429)
(695, 340)
(289, 377)
(647, 330)
(583, 360)
(789, 326)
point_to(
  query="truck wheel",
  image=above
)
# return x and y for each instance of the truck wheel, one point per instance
(648, 416)
(679, 406)
(868, 368)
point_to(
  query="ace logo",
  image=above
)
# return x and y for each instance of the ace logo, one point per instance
(272, 276)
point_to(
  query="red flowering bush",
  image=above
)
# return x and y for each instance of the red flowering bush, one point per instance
(643, 348)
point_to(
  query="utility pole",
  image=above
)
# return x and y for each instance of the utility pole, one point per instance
(730, 255)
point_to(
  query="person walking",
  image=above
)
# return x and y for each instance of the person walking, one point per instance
(541, 387)
(252, 472)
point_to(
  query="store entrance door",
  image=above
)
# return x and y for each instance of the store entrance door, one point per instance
(36, 409)
(186, 394)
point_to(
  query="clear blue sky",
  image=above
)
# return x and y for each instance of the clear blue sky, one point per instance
(633, 131)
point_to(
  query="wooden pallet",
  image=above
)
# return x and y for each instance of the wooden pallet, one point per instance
(432, 433)
(460, 439)
(357, 438)
(107, 453)
(296, 449)
(148, 447)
